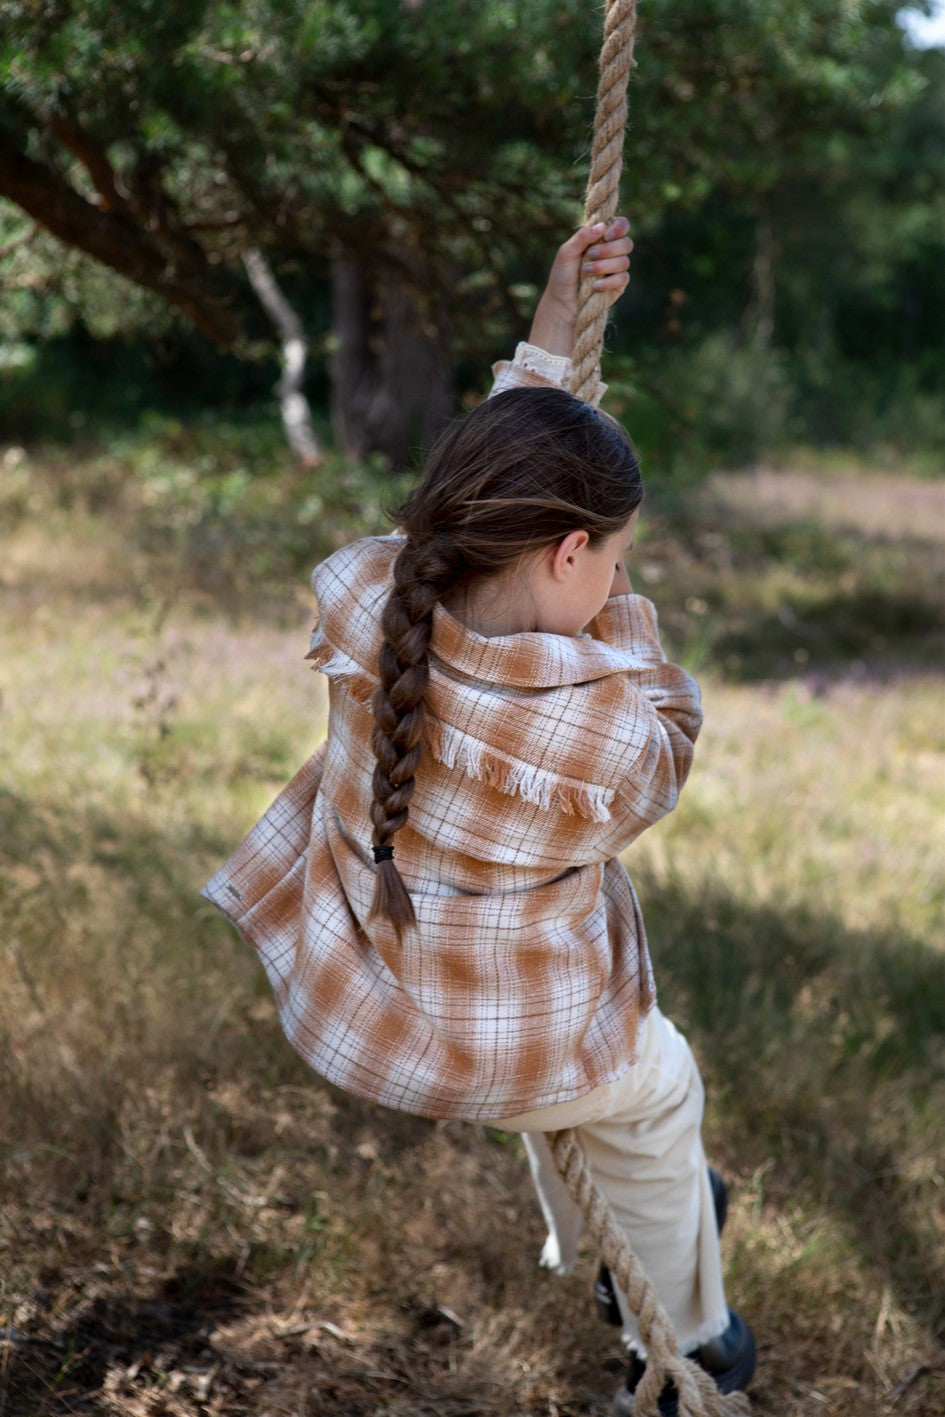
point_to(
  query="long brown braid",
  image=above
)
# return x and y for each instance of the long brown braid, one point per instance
(421, 577)
(517, 474)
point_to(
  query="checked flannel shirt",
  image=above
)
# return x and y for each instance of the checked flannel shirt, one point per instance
(525, 980)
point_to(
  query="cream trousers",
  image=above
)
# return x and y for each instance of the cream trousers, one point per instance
(641, 1136)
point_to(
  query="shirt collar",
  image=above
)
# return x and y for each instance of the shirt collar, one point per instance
(357, 579)
(530, 660)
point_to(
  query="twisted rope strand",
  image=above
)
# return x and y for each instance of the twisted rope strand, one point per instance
(600, 203)
(698, 1394)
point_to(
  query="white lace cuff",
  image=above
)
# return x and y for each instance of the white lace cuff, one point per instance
(532, 366)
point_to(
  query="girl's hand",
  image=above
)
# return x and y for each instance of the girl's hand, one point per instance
(601, 252)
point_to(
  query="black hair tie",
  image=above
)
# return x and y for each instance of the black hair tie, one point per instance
(382, 853)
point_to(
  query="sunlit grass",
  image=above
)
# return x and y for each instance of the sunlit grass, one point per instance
(176, 1185)
(832, 795)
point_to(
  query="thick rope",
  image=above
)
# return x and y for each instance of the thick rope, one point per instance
(600, 203)
(698, 1394)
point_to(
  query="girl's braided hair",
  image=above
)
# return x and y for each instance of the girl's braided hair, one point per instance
(516, 475)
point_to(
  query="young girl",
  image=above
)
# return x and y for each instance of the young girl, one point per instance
(436, 895)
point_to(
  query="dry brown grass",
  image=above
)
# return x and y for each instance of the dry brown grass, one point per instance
(191, 1223)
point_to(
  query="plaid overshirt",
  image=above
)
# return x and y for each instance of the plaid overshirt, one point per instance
(526, 977)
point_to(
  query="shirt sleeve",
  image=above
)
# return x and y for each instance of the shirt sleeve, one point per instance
(535, 368)
(266, 863)
(667, 696)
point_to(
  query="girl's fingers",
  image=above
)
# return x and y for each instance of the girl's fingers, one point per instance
(585, 236)
(607, 250)
(617, 228)
(609, 275)
(602, 235)
(606, 267)
(612, 285)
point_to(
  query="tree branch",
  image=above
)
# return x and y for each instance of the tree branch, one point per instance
(113, 238)
(143, 198)
(93, 158)
(23, 239)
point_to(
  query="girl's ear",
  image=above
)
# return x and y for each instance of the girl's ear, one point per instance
(563, 556)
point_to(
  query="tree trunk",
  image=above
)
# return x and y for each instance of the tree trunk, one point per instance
(350, 360)
(758, 320)
(391, 371)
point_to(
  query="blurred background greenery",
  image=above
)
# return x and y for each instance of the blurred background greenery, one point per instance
(406, 170)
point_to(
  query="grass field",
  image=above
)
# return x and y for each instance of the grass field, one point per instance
(193, 1224)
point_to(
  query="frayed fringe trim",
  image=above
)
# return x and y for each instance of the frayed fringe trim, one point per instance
(336, 665)
(455, 749)
(480, 761)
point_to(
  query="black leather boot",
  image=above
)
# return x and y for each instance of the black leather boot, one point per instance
(605, 1299)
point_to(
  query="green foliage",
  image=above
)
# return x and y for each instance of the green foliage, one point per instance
(217, 503)
(715, 402)
(443, 145)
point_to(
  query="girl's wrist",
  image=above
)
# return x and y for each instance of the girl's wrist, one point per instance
(553, 327)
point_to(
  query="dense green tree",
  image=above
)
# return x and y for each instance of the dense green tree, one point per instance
(416, 159)
(376, 144)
